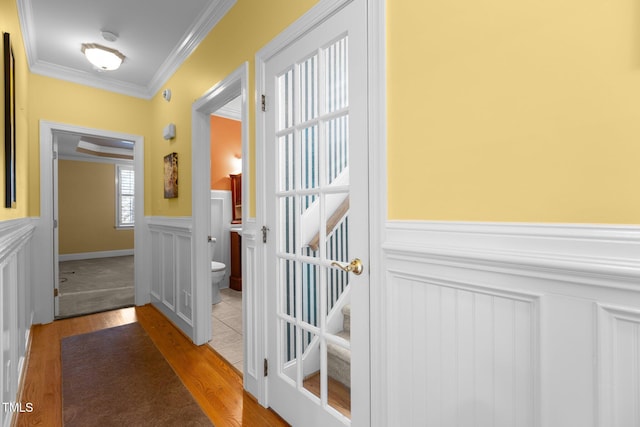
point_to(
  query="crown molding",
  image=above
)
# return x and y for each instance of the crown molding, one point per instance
(192, 39)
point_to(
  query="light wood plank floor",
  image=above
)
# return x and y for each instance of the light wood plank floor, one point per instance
(214, 384)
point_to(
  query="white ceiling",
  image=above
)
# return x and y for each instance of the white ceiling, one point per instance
(68, 144)
(156, 36)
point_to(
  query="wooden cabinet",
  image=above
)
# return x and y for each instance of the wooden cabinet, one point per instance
(235, 279)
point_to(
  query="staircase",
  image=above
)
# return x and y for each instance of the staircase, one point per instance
(338, 357)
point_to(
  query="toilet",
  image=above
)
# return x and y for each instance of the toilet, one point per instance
(218, 271)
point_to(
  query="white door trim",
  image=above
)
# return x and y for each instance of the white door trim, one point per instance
(233, 85)
(377, 166)
(377, 81)
(43, 249)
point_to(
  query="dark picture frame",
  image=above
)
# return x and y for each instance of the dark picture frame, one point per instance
(9, 123)
(171, 176)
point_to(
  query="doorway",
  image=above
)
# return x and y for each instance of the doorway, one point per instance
(226, 232)
(94, 204)
(46, 273)
(218, 96)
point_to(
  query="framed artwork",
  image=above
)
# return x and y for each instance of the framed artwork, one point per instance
(171, 176)
(9, 123)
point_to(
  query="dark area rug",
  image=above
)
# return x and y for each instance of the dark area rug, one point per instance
(117, 377)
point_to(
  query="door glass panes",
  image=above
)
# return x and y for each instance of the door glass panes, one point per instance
(336, 73)
(285, 89)
(337, 149)
(287, 358)
(288, 291)
(311, 362)
(309, 89)
(312, 202)
(309, 157)
(337, 250)
(286, 171)
(287, 241)
(310, 295)
(339, 381)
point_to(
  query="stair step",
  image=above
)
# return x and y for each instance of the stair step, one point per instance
(346, 313)
(339, 361)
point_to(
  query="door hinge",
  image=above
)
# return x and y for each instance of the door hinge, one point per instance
(264, 229)
(55, 292)
(55, 155)
(264, 102)
(55, 223)
(266, 367)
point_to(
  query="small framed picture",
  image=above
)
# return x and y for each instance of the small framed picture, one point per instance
(171, 176)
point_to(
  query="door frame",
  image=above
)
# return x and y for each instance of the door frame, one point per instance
(377, 132)
(220, 94)
(44, 280)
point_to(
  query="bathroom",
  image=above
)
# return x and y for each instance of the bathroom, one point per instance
(226, 230)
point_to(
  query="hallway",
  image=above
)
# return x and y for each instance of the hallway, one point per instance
(220, 396)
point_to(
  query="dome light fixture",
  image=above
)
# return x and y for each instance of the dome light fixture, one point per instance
(102, 57)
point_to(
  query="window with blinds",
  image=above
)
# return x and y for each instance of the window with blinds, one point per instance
(125, 197)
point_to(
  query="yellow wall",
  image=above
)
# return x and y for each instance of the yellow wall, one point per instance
(244, 30)
(87, 211)
(514, 111)
(9, 23)
(248, 26)
(63, 102)
(497, 111)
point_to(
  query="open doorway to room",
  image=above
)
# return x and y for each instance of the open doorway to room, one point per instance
(226, 232)
(94, 199)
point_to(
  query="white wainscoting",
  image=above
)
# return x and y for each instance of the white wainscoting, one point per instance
(509, 324)
(16, 286)
(220, 225)
(252, 309)
(171, 284)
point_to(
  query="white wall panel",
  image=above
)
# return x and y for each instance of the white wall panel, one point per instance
(473, 354)
(171, 277)
(494, 325)
(168, 265)
(220, 229)
(183, 276)
(252, 298)
(619, 366)
(16, 263)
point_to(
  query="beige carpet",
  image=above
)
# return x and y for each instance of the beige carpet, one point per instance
(117, 377)
(94, 285)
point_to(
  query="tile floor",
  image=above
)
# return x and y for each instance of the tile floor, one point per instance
(226, 317)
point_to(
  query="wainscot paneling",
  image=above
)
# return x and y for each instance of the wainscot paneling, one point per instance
(618, 366)
(252, 298)
(500, 325)
(220, 225)
(17, 311)
(171, 284)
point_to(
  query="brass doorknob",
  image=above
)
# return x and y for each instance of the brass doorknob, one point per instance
(354, 266)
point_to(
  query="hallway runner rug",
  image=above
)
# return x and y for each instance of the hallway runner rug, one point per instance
(117, 377)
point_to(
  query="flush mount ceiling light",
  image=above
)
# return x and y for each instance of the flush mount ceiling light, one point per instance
(104, 58)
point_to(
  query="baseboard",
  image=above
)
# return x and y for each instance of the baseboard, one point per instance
(93, 255)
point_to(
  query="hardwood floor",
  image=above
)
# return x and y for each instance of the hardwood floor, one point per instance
(214, 384)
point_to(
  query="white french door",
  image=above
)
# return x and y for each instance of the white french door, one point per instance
(317, 210)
